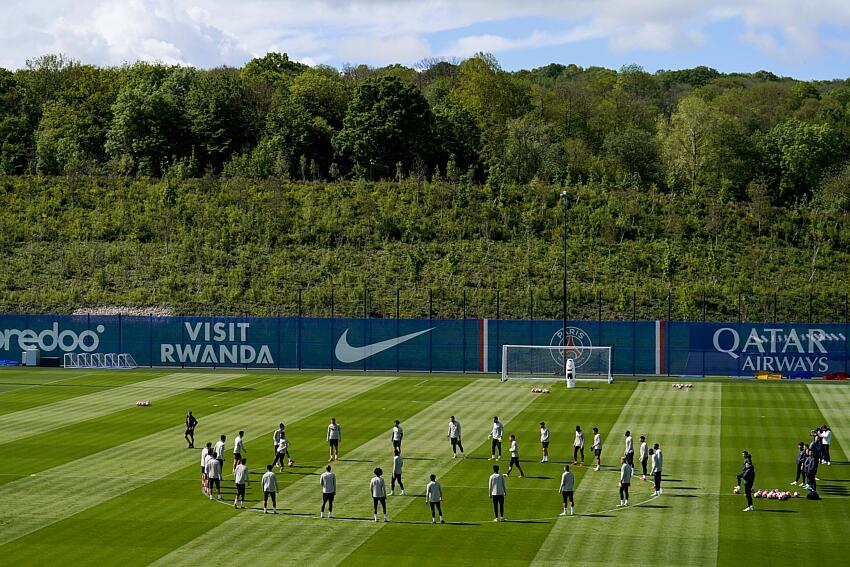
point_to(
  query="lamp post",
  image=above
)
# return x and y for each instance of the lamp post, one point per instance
(564, 291)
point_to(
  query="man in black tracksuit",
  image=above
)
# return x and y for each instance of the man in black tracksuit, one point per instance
(801, 457)
(810, 468)
(748, 475)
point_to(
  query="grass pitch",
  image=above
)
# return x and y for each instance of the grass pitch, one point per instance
(89, 478)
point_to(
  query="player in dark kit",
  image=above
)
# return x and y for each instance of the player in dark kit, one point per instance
(748, 475)
(191, 422)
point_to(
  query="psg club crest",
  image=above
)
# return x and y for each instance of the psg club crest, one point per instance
(575, 342)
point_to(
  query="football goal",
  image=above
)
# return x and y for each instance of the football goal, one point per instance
(532, 362)
(113, 360)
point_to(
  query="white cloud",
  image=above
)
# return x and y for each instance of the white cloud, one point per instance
(216, 32)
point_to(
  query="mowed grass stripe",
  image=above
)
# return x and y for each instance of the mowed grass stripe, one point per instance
(25, 423)
(60, 492)
(833, 400)
(29, 388)
(680, 527)
(532, 503)
(78, 440)
(769, 420)
(139, 526)
(426, 451)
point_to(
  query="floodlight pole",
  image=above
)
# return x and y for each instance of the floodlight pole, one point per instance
(564, 291)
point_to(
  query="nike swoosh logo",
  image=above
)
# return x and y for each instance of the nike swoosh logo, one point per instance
(348, 354)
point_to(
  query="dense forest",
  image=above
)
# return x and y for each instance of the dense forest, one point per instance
(691, 193)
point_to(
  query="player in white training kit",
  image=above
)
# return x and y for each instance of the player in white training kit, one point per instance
(398, 463)
(397, 435)
(214, 474)
(279, 434)
(219, 451)
(270, 487)
(334, 436)
(434, 496)
(454, 437)
(497, 489)
(625, 481)
(205, 453)
(657, 462)
(238, 449)
(567, 487)
(644, 456)
(328, 483)
(496, 436)
(240, 478)
(514, 458)
(629, 454)
(578, 445)
(378, 488)
(544, 441)
(597, 447)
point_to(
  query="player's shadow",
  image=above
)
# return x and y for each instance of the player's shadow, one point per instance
(684, 488)
(419, 458)
(834, 490)
(538, 477)
(224, 389)
(528, 521)
(683, 495)
(653, 506)
(356, 461)
(780, 511)
(596, 515)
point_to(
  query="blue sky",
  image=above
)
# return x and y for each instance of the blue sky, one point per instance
(807, 40)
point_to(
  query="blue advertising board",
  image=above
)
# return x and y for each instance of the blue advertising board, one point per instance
(452, 345)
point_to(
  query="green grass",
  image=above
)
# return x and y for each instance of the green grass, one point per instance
(91, 479)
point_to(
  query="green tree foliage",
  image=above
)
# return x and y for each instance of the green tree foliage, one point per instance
(217, 114)
(387, 121)
(273, 69)
(322, 93)
(796, 155)
(147, 129)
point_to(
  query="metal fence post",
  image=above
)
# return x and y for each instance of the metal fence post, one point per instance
(397, 325)
(430, 335)
(463, 364)
(365, 323)
(298, 332)
(634, 332)
(331, 341)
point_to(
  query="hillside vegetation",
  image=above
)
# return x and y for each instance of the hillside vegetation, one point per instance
(230, 246)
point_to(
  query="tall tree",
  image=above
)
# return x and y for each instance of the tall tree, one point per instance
(387, 121)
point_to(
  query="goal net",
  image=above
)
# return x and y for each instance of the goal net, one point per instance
(114, 360)
(532, 362)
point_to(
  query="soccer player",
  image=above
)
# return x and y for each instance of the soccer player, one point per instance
(219, 451)
(514, 458)
(748, 475)
(270, 486)
(398, 435)
(801, 458)
(334, 436)
(810, 468)
(379, 494)
(657, 463)
(597, 447)
(630, 450)
(578, 445)
(241, 477)
(280, 455)
(454, 437)
(214, 474)
(238, 449)
(398, 463)
(278, 433)
(644, 456)
(328, 483)
(205, 454)
(191, 422)
(496, 436)
(544, 441)
(566, 489)
(497, 489)
(625, 481)
(434, 496)
(826, 438)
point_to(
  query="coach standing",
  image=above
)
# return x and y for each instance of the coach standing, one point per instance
(497, 489)
(748, 475)
(191, 422)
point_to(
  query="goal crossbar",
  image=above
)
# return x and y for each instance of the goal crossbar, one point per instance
(548, 362)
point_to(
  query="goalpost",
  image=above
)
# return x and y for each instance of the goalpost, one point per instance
(112, 360)
(533, 362)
